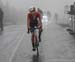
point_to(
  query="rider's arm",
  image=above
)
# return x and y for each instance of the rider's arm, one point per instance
(40, 19)
(28, 22)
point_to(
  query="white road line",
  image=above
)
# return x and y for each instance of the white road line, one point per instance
(10, 60)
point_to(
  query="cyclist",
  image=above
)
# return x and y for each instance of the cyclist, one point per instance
(40, 11)
(40, 31)
(34, 19)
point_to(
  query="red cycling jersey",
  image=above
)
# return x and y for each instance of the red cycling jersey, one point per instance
(37, 14)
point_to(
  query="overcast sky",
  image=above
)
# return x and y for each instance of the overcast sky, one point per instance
(41, 3)
(51, 5)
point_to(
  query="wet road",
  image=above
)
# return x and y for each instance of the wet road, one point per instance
(57, 45)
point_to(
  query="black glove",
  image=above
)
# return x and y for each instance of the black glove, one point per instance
(28, 31)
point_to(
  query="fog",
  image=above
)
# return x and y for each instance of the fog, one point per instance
(15, 10)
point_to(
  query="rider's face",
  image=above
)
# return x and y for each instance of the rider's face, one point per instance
(33, 12)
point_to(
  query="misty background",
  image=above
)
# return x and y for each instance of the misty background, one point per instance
(15, 11)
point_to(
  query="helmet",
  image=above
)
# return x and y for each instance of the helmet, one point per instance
(32, 9)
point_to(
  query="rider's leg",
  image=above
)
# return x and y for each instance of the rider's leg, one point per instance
(32, 39)
(36, 39)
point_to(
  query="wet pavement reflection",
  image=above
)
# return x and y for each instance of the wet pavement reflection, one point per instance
(36, 58)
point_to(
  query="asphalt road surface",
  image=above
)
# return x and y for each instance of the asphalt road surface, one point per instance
(57, 45)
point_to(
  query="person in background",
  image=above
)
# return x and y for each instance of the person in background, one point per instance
(41, 14)
(39, 10)
(1, 19)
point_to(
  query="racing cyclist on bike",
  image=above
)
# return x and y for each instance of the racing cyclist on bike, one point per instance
(34, 19)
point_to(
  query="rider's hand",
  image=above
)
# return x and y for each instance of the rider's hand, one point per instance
(41, 29)
(28, 31)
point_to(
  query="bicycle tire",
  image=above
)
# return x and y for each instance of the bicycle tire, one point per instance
(37, 44)
(37, 52)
